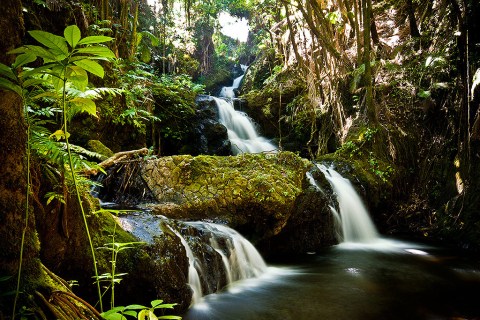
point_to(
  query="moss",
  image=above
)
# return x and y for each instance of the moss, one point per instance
(227, 188)
(98, 147)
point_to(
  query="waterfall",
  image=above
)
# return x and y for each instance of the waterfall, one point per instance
(240, 258)
(355, 221)
(241, 130)
(193, 276)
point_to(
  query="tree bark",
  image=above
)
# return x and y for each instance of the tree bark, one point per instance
(367, 14)
(414, 32)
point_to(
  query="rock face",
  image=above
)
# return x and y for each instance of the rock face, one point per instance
(265, 197)
(210, 136)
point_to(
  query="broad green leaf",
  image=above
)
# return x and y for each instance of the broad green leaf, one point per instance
(10, 86)
(155, 303)
(78, 76)
(72, 34)
(114, 316)
(59, 135)
(18, 50)
(46, 55)
(45, 69)
(45, 95)
(50, 40)
(147, 315)
(475, 81)
(166, 306)
(135, 307)
(113, 310)
(131, 313)
(170, 317)
(6, 71)
(32, 82)
(24, 59)
(95, 39)
(58, 75)
(103, 52)
(91, 66)
(84, 105)
(424, 94)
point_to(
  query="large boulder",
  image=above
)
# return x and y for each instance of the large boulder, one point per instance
(266, 197)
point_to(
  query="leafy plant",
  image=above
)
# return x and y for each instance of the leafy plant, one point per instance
(112, 278)
(145, 313)
(67, 61)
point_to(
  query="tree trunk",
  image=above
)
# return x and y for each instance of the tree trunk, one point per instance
(367, 14)
(414, 32)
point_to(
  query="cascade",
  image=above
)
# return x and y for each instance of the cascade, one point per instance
(193, 276)
(240, 258)
(354, 219)
(241, 131)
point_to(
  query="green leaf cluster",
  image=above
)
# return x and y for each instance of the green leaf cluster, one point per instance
(140, 312)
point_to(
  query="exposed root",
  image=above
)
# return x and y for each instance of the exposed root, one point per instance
(66, 305)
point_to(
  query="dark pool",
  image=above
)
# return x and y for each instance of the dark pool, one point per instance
(387, 280)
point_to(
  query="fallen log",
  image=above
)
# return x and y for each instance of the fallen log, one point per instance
(116, 158)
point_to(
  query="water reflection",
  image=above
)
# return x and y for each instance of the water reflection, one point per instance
(410, 282)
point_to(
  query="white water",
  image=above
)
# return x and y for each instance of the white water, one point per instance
(356, 225)
(193, 276)
(241, 130)
(240, 258)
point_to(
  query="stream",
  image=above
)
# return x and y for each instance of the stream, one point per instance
(392, 281)
(364, 277)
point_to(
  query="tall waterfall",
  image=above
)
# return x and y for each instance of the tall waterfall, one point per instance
(354, 219)
(241, 131)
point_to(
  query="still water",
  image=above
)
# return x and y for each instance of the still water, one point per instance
(385, 280)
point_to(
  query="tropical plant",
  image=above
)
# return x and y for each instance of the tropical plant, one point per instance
(145, 313)
(66, 63)
(112, 278)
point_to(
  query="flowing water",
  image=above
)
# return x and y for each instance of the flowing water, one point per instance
(356, 225)
(413, 282)
(365, 277)
(241, 130)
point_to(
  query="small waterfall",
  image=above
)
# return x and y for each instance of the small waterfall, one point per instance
(193, 276)
(356, 224)
(241, 131)
(228, 92)
(240, 258)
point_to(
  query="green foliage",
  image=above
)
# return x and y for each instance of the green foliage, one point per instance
(66, 63)
(112, 278)
(433, 68)
(175, 96)
(140, 312)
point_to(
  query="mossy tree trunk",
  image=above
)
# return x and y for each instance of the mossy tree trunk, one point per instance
(13, 182)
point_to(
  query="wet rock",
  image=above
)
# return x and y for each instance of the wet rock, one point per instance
(210, 136)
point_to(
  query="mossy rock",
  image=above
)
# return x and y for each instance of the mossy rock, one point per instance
(98, 147)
